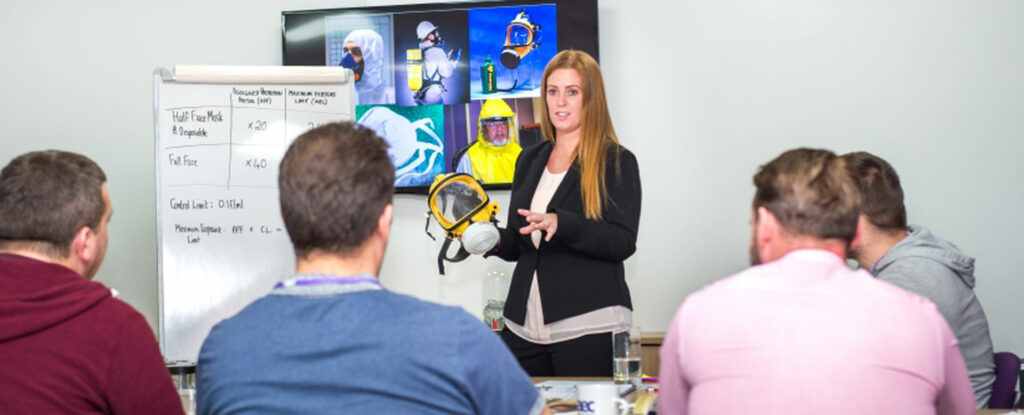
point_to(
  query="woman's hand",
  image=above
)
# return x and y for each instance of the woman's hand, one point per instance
(547, 222)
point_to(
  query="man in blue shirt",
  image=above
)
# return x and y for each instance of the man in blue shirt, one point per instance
(330, 339)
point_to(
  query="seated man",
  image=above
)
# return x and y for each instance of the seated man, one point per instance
(914, 259)
(801, 332)
(67, 346)
(330, 339)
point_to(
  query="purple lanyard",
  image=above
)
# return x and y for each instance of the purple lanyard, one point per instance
(874, 267)
(335, 280)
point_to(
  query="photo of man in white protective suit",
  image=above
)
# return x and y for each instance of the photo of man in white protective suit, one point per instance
(431, 58)
(364, 54)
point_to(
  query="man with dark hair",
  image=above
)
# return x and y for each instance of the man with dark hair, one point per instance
(329, 338)
(913, 258)
(801, 332)
(66, 344)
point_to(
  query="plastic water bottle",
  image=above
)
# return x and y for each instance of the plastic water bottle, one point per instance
(494, 314)
(495, 290)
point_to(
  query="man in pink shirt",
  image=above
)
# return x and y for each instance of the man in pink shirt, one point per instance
(799, 332)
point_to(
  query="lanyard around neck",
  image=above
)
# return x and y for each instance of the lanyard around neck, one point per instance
(301, 282)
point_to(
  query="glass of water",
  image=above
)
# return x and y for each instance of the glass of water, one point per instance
(626, 356)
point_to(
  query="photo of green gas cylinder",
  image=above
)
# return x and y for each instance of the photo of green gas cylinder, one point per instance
(488, 79)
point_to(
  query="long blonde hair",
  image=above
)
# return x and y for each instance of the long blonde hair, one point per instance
(597, 135)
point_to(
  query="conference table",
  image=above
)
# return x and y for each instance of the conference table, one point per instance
(567, 403)
(633, 396)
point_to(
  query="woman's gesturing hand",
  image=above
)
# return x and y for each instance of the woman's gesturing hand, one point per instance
(547, 222)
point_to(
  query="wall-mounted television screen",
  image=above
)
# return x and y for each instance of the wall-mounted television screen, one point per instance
(452, 87)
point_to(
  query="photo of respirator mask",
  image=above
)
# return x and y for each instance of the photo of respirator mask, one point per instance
(521, 37)
(461, 206)
(348, 60)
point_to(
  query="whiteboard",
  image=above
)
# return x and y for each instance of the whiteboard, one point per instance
(220, 135)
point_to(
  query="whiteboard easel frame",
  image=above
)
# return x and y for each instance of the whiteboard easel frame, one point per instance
(279, 75)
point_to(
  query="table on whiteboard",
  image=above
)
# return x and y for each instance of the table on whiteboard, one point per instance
(221, 240)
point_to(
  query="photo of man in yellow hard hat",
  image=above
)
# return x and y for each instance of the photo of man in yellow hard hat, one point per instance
(492, 157)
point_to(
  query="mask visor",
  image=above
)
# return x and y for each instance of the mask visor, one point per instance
(455, 199)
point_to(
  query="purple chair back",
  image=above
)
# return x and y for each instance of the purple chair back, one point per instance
(1004, 389)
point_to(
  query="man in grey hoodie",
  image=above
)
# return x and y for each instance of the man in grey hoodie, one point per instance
(914, 259)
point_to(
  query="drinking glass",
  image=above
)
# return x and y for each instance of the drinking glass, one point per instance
(626, 356)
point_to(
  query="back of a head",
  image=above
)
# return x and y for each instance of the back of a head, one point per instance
(881, 193)
(46, 197)
(334, 182)
(810, 193)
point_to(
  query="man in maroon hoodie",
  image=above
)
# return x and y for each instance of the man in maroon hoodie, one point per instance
(66, 344)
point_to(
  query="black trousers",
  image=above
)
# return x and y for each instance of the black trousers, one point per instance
(587, 356)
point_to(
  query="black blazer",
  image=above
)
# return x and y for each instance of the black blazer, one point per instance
(580, 269)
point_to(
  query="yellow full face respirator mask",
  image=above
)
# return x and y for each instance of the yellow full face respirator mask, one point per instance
(521, 36)
(461, 206)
